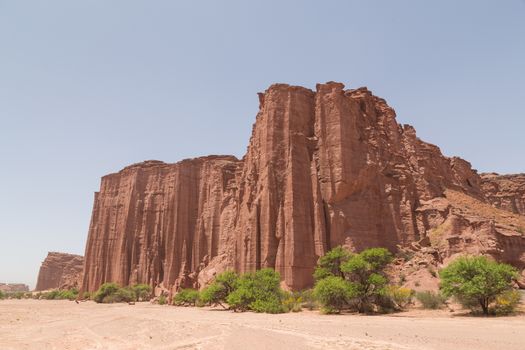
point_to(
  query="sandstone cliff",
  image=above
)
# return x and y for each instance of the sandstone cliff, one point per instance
(505, 191)
(323, 168)
(60, 271)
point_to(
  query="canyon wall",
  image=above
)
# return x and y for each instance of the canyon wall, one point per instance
(60, 271)
(505, 191)
(323, 168)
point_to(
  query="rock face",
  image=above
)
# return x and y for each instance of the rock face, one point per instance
(323, 168)
(505, 191)
(13, 287)
(60, 271)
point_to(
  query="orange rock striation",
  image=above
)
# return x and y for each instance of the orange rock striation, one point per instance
(323, 168)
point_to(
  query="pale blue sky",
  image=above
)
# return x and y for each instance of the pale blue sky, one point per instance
(88, 87)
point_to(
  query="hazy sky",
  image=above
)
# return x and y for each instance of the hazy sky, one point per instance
(88, 87)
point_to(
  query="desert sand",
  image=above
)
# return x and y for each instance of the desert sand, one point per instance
(33, 324)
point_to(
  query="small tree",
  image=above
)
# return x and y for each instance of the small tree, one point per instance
(476, 281)
(330, 263)
(259, 291)
(218, 291)
(333, 293)
(365, 272)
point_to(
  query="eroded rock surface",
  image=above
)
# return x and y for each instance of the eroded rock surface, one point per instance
(505, 191)
(323, 168)
(60, 271)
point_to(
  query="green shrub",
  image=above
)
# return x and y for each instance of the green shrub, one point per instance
(333, 293)
(401, 297)
(105, 292)
(507, 302)
(51, 295)
(365, 273)
(476, 281)
(217, 292)
(186, 297)
(65, 294)
(142, 292)
(87, 296)
(121, 295)
(292, 302)
(259, 291)
(2, 295)
(71, 294)
(330, 263)
(430, 299)
(309, 300)
(162, 300)
(16, 295)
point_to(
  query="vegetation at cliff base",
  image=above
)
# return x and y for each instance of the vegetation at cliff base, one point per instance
(186, 297)
(477, 282)
(357, 282)
(70, 294)
(113, 293)
(430, 299)
(258, 291)
(344, 282)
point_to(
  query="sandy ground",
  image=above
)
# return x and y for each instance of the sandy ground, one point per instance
(33, 324)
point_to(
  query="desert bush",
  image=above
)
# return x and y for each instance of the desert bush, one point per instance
(186, 297)
(217, 292)
(87, 296)
(330, 263)
(70, 294)
(259, 291)
(2, 295)
(51, 295)
(142, 292)
(366, 276)
(476, 281)
(106, 293)
(333, 293)
(400, 297)
(122, 295)
(507, 302)
(309, 300)
(292, 302)
(162, 300)
(16, 295)
(430, 299)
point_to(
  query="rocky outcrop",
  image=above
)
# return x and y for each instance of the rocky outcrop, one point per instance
(13, 287)
(60, 271)
(505, 191)
(323, 168)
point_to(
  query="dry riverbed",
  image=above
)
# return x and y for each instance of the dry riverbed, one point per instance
(41, 325)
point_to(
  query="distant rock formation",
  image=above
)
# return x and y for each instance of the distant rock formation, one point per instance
(323, 168)
(13, 287)
(60, 271)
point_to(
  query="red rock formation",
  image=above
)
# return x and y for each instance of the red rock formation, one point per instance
(324, 168)
(60, 271)
(505, 191)
(13, 287)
